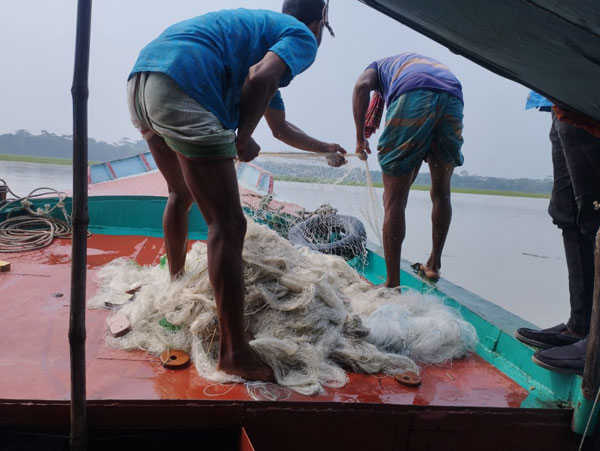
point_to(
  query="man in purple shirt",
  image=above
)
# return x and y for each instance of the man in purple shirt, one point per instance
(423, 123)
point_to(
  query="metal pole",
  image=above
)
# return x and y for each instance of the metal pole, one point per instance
(80, 219)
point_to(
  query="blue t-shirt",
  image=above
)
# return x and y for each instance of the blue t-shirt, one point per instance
(410, 71)
(209, 56)
(277, 102)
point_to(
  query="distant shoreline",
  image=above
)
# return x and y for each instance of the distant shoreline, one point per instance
(425, 188)
(69, 162)
(39, 160)
(489, 192)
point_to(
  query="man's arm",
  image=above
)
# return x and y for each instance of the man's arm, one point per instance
(290, 134)
(259, 87)
(367, 82)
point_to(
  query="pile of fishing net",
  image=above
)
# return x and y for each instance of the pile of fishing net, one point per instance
(311, 315)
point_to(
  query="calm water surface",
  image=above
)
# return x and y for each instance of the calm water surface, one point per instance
(22, 178)
(504, 249)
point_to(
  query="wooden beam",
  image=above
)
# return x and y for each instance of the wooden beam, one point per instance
(591, 375)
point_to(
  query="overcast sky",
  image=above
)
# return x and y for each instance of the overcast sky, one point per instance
(37, 49)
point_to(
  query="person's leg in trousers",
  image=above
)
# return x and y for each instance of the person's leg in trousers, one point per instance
(582, 156)
(579, 253)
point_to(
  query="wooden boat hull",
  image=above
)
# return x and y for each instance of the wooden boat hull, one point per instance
(494, 399)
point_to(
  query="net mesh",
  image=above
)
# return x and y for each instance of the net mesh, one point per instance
(311, 315)
(304, 186)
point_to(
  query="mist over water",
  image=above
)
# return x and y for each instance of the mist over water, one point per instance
(505, 249)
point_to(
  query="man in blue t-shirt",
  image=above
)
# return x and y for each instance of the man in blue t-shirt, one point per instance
(423, 122)
(189, 91)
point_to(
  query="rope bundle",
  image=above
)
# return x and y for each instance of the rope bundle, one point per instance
(31, 229)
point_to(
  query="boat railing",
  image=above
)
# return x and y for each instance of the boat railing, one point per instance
(123, 167)
(255, 178)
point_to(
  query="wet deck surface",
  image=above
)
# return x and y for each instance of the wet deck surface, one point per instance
(35, 361)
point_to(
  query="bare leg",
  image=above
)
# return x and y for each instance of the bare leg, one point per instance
(213, 185)
(395, 196)
(441, 212)
(175, 216)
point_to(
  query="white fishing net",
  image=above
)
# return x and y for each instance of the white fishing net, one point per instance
(302, 198)
(305, 180)
(311, 315)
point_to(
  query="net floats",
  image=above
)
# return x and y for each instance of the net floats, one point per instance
(119, 300)
(118, 325)
(174, 359)
(409, 378)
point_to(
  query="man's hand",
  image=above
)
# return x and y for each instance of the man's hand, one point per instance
(362, 149)
(247, 151)
(336, 159)
(290, 134)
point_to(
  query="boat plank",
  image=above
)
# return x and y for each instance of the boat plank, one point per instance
(35, 323)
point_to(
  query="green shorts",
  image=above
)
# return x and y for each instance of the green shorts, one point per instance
(158, 106)
(416, 122)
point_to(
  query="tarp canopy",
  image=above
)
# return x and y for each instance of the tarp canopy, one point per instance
(550, 46)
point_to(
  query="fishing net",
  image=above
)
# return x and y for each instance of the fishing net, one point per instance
(304, 184)
(330, 210)
(311, 315)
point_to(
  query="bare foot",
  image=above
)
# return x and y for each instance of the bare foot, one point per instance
(246, 364)
(427, 271)
(178, 275)
(430, 272)
(392, 282)
(392, 285)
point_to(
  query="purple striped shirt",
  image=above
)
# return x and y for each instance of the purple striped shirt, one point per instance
(410, 71)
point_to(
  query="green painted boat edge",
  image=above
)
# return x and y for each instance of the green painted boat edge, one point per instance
(495, 326)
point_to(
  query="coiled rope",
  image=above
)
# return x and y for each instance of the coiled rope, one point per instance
(25, 229)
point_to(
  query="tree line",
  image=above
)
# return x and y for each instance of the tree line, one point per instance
(51, 145)
(357, 176)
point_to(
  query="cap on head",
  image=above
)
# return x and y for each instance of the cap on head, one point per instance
(308, 11)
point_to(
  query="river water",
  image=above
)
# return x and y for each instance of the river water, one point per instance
(504, 249)
(22, 178)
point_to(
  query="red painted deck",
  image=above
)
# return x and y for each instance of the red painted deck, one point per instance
(35, 361)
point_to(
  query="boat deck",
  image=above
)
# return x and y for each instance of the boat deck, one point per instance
(154, 184)
(462, 405)
(35, 364)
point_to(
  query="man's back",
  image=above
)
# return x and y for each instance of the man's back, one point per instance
(209, 56)
(410, 71)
